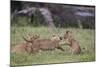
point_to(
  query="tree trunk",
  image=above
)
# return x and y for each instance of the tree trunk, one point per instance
(47, 16)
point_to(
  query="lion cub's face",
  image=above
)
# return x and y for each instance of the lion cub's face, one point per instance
(67, 37)
(31, 38)
(34, 37)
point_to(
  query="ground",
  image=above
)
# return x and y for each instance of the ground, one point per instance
(86, 38)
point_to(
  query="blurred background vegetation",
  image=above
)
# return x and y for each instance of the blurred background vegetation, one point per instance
(46, 14)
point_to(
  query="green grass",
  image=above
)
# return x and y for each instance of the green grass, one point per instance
(86, 38)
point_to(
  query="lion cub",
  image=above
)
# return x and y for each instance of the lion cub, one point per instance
(25, 47)
(45, 44)
(74, 45)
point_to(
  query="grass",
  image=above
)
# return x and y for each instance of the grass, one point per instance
(86, 38)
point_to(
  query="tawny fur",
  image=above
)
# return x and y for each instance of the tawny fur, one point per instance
(25, 47)
(22, 48)
(46, 44)
(74, 45)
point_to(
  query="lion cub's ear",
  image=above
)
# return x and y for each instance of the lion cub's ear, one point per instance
(68, 32)
(61, 38)
(53, 35)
